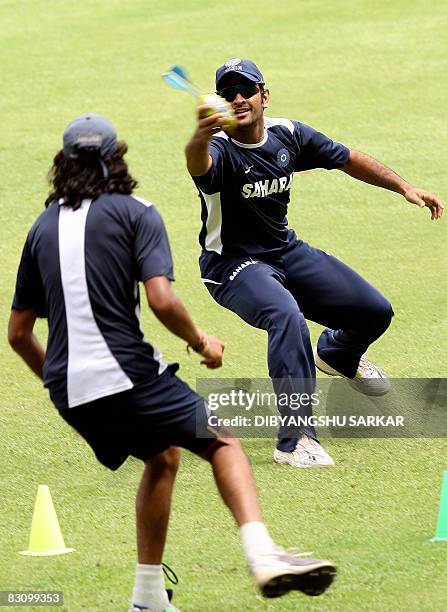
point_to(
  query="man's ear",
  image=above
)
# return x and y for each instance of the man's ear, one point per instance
(265, 98)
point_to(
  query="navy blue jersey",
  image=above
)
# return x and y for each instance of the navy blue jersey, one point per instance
(80, 269)
(246, 192)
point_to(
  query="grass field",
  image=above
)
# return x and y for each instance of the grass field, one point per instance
(370, 74)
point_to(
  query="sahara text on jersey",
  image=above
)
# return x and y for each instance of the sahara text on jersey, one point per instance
(261, 189)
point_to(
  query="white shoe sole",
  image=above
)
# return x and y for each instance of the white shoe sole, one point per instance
(289, 461)
(311, 580)
(376, 391)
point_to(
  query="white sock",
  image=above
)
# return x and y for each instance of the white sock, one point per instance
(149, 589)
(256, 541)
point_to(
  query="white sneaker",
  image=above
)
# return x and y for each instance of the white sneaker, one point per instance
(278, 573)
(135, 608)
(308, 453)
(368, 379)
(170, 608)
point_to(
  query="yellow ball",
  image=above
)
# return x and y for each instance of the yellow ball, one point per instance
(217, 104)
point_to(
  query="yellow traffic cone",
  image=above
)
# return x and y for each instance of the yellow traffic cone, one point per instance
(46, 536)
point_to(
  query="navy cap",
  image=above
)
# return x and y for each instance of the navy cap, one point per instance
(89, 132)
(244, 67)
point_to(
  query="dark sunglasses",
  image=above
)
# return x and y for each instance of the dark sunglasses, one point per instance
(247, 90)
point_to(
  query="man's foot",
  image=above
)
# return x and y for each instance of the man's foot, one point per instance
(368, 379)
(137, 608)
(308, 453)
(277, 574)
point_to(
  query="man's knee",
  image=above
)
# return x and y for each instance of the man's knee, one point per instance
(166, 462)
(388, 313)
(219, 443)
(381, 314)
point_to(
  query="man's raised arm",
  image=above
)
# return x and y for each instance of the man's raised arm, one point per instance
(198, 158)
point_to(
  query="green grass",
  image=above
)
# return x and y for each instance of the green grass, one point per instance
(370, 75)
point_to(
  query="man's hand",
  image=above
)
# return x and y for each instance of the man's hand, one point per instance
(207, 125)
(198, 158)
(423, 198)
(212, 350)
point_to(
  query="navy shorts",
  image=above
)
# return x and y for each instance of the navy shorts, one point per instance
(143, 421)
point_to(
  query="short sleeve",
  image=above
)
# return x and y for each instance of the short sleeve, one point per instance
(29, 290)
(212, 181)
(317, 150)
(151, 246)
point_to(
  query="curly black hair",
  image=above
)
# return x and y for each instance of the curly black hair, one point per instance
(74, 180)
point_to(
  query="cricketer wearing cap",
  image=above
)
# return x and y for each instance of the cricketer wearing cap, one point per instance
(81, 265)
(254, 265)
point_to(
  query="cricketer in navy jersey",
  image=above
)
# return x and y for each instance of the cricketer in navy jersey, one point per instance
(254, 265)
(80, 269)
(246, 192)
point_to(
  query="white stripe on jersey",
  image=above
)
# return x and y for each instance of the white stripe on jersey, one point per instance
(92, 370)
(142, 201)
(272, 121)
(158, 356)
(213, 240)
(208, 280)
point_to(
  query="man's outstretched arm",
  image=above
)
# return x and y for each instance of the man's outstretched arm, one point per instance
(367, 169)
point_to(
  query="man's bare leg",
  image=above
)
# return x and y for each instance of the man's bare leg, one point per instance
(153, 505)
(234, 479)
